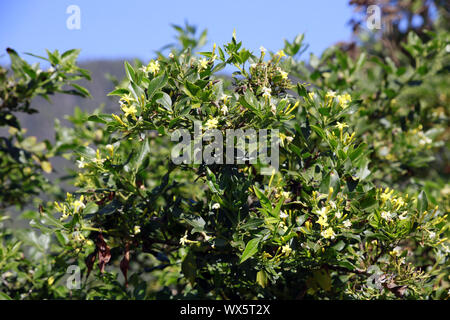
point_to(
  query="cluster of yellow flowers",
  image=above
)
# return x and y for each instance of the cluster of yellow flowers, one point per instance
(152, 67)
(390, 203)
(325, 212)
(328, 233)
(343, 99)
(70, 206)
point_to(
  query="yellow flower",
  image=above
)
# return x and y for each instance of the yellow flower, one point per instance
(311, 95)
(344, 100)
(398, 202)
(328, 233)
(284, 75)
(224, 98)
(126, 98)
(117, 118)
(212, 123)
(203, 63)
(322, 212)
(131, 110)
(386, 195)
(214, 56)
(81, 163)
(77, 236)
(308, 225)
(330, 95)
(98, 158)
(395, 252)
(286, 250)
(206, 237)
(224, 110)
(322, 221)
(137, 229)
(79, 204)
(110, 148)
(153, 67)
(184, 240)
(341, 126)
(284, 137)
(281, 54)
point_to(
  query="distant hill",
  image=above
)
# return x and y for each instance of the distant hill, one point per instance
(41, 124)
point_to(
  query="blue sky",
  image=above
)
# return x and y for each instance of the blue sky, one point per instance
(136, 28)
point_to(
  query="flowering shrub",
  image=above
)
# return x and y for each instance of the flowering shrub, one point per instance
(335, 221)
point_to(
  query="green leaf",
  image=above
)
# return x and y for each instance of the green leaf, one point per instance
(131, 74)
(347, 264)
(4, 296)
(339, 246)
(119, 92)
(277, 209)
(143, 152)
(136, 90)
(252, 224)
(110, 208)
(358, 151)
(156, 84)
(70, 55)
(165, 101)
(250, 249)
(265, 202)
(301, 90)
(86, 152)
(422, 202)
(261, 278)
(319, 131)
(62, 238)
(219, 66)
(140, 290)
(192, 89)
(197, 222)
(323, 279)
(90, 208)
(189, 267)
(330, 180)
(100, 118)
